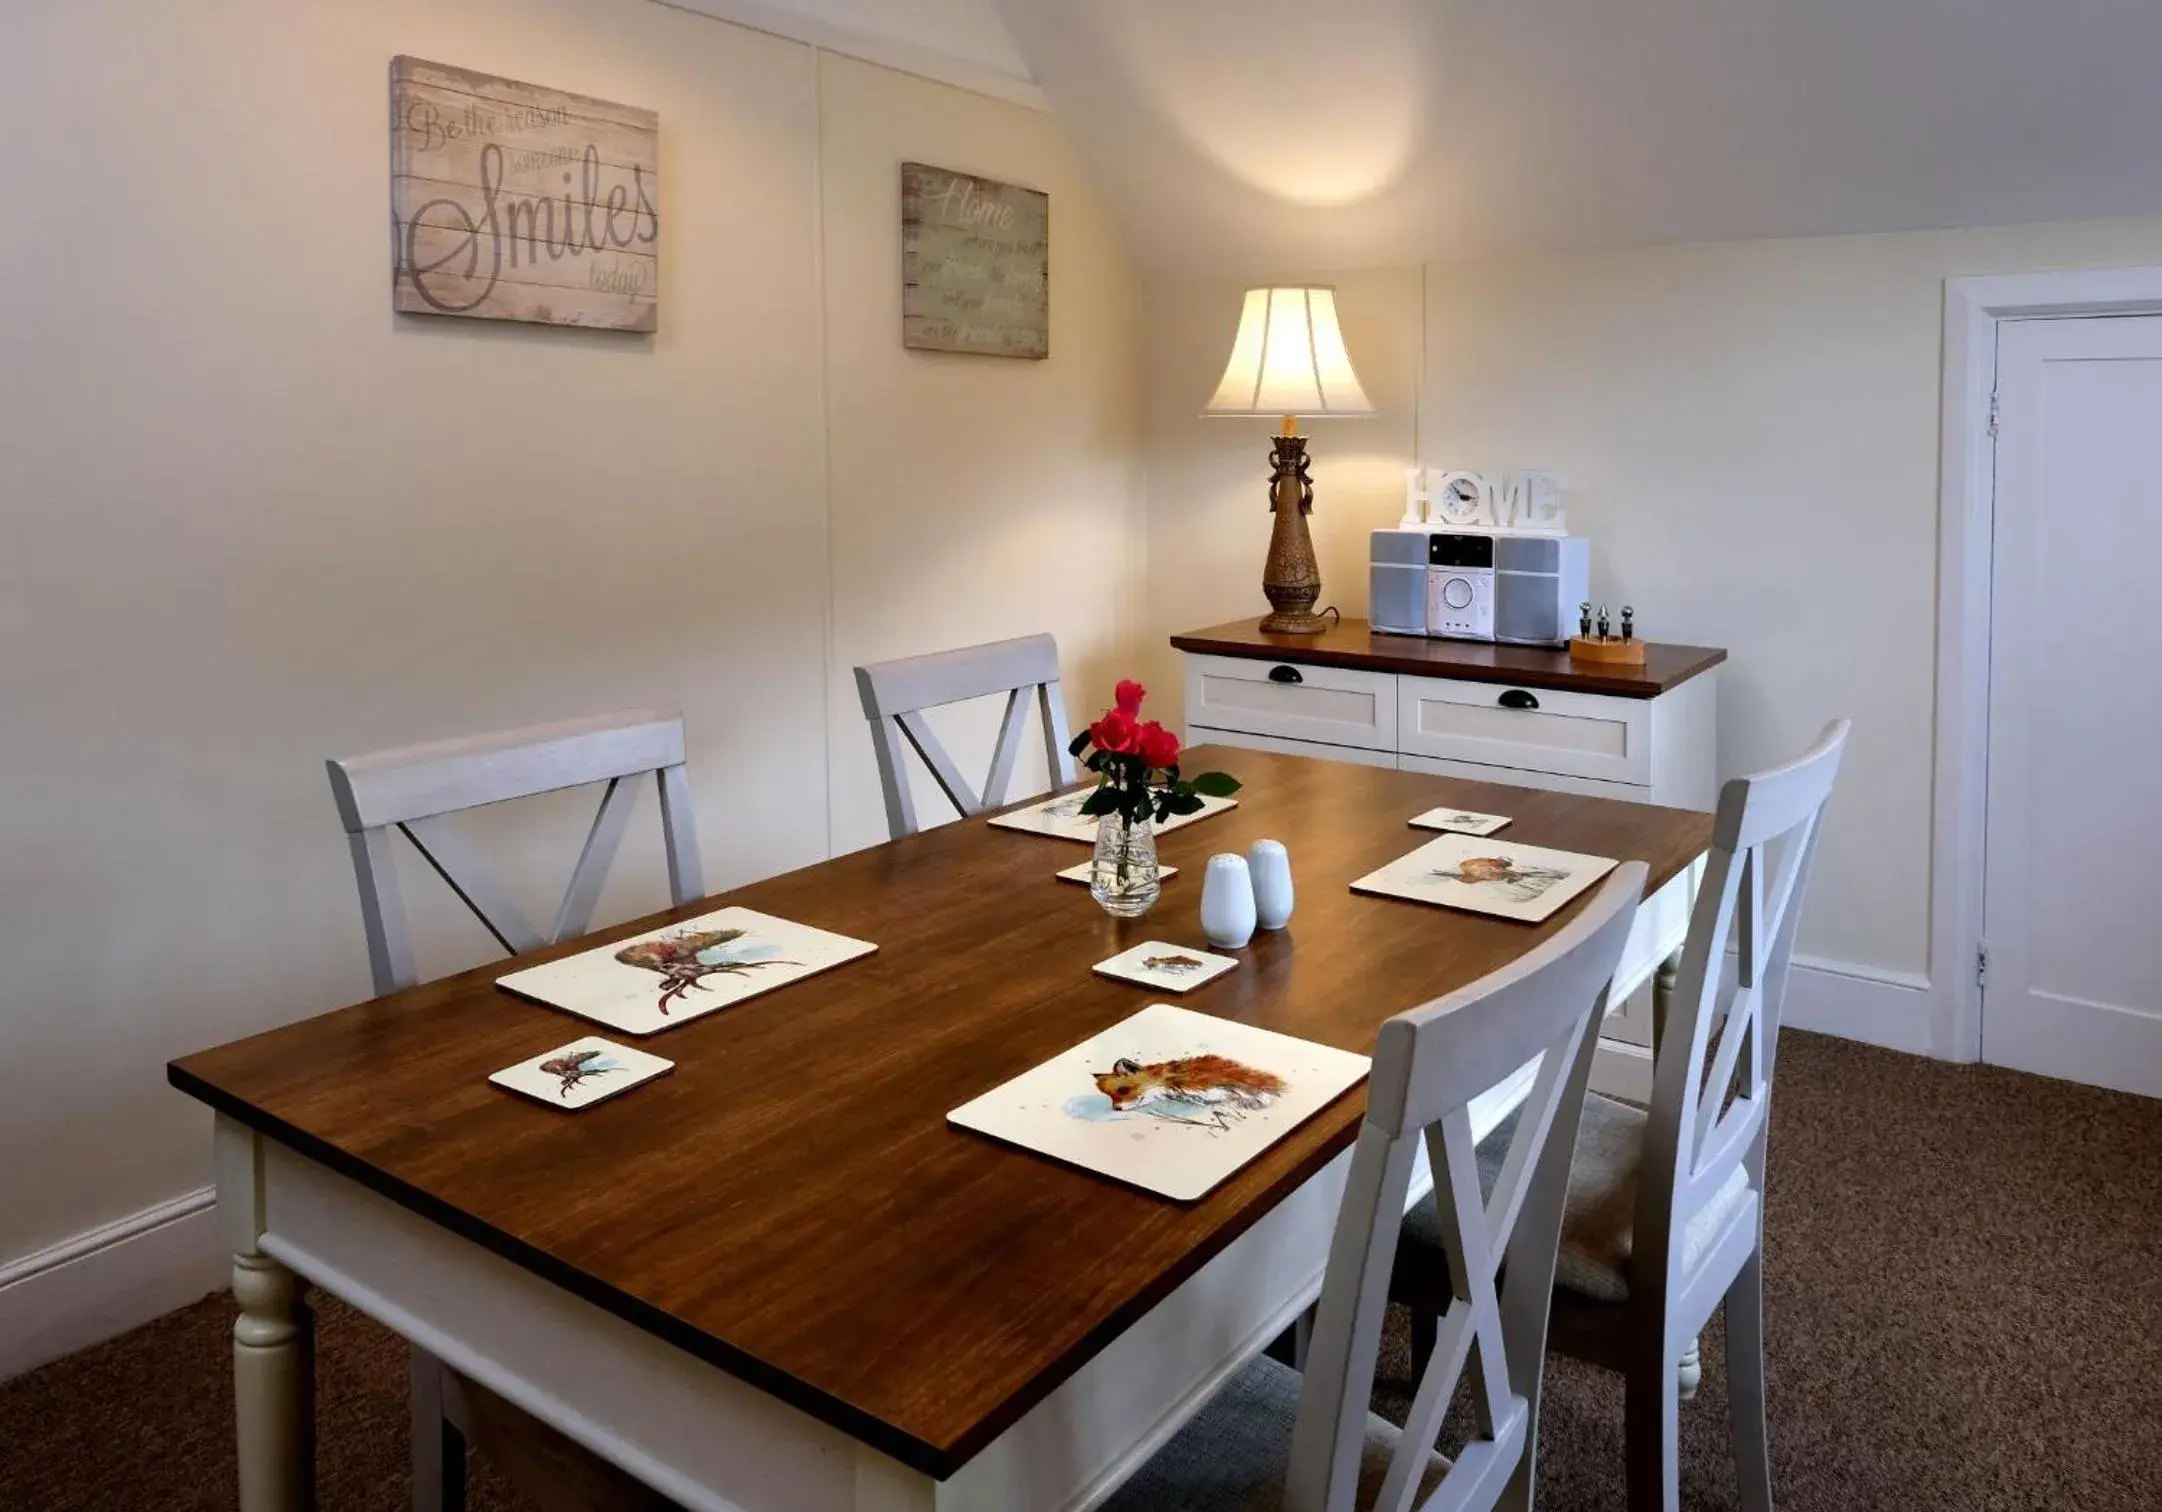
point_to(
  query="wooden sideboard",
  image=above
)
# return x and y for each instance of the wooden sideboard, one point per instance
(1508, 714)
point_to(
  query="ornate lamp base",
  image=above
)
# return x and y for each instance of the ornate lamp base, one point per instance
(1292, 577)
(1294, 622)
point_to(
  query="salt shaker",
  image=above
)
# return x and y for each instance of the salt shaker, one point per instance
(1270, 866)
(1227, 902)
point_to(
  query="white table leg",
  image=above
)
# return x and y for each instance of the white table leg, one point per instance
(1664, 978)
(438, 1432)
(273, 1387)
(1691, 1374)
(273, 1339)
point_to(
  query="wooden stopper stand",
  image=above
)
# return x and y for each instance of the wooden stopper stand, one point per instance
(1611, 652)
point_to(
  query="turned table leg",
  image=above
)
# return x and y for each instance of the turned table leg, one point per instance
(273, 1340)
(273, 1387)
(1664, 976)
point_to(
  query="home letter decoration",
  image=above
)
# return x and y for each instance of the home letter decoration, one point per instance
(512, 202)
(1516, 503)
(975, 265)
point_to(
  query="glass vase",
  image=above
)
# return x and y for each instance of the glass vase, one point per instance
(1124, 879)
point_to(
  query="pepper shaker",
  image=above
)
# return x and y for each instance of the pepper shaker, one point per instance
(1270, 867)
(1227, 902)
(1629, 624)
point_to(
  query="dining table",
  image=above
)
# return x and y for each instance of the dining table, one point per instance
(776, 1279)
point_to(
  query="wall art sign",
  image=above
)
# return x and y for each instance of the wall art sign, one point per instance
(975, 264)
(513, 202)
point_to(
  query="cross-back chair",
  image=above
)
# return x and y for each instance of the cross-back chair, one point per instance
(897, 694)
(1275, 1437)
(1665, 1213)
(413, 791)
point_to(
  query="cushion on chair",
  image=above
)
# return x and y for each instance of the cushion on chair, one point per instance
(1232, 1455)
(1598, 1226)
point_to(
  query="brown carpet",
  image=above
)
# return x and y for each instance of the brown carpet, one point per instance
(1965, 1295)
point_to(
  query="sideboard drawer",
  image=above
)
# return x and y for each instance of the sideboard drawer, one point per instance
(1529, 729)
(1332, 705)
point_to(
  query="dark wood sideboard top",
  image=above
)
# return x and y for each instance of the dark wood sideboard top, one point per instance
(1355, 644)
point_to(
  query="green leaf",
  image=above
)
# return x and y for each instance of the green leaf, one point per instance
(1078, 744)
(1216, 784)
(1101, 802)
(1183, 803)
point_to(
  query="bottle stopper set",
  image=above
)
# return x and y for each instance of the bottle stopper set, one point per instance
(1598, 643)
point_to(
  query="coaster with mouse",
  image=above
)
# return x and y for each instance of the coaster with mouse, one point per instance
(1171, 968)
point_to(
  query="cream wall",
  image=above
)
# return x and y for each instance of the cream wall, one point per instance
(251, 519)
(1750, 432)
(1026, 473)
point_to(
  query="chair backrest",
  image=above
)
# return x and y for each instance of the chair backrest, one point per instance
(413, 790)
(1429, 1064)
(1711, 1098)
(896, 694)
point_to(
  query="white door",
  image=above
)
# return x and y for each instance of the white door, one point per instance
(2072, 893)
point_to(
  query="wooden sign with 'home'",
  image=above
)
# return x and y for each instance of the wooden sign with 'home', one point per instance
(512, 202)
(975, 264)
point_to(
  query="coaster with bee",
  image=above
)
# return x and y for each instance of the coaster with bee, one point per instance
(1168, 968)
(582, 1073)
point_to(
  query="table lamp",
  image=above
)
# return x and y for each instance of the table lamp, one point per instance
(1289, 360)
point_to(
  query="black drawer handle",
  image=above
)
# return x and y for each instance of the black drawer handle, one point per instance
(1285, 675)
(1517, 698)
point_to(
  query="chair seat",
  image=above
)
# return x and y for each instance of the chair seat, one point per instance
(1598, 1227)
(1233, 1454)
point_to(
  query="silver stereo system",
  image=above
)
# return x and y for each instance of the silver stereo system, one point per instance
(1520, 590)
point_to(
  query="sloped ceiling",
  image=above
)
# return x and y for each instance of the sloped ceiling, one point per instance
(954, 41)
(1253, 137)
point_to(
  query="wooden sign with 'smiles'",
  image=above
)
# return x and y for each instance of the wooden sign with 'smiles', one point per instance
(512, 202)
(975, 264)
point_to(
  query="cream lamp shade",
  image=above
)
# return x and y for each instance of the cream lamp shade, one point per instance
(1289, 359)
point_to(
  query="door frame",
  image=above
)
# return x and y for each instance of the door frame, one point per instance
(1966, 511)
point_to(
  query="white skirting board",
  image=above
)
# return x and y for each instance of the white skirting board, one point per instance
(108, 1280)
(1888, 1008)
(111, 1279)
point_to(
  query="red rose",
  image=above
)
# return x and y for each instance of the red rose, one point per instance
(1128, 695)
(1116, 731)
(1157, 745)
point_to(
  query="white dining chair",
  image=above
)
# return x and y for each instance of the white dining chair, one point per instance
(897, 694)
(1305, 1441)
(413, 791)
(1665, 1214)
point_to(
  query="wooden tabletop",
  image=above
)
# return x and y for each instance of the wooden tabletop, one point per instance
(1354, 643)
(791, 1205)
